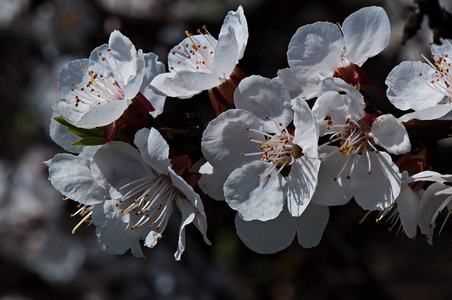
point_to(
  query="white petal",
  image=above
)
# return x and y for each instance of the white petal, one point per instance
(236, 20)
(72, 72)
(71, 176)
(171, 85)
(329, 106)
(389, 133)
(316, 50)
(330, 191)
(188, 212)
(155, 235)
(135, 81)
(442, 50)
(432, 113)
(191, 202)
(111, 230)
(116, 164)
(124, 54)
(184, 84)
(68, 110)
(408, 207)
(301, 184)
(408, 90)
(366, 33)
(337, 108)
(431, 203)
(153, 149)
(429, 176)
(306, 88)
(226, 137)
(62, 136)
(264, 97)
(378, 190)
(255, 198)
(267, 237)
(212, 181)
(311, 225)
(306, 131)
(353, 98)
(103, 114)
(152, 68)
(226, 54)
(187, 190)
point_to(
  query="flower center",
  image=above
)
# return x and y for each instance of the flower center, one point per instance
(354, 140)
(147, 200)
(352, 74)
(277, 149)
(441, 79)
(196, 54)
(100, 89)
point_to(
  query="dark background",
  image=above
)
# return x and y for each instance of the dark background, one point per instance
(40, 259)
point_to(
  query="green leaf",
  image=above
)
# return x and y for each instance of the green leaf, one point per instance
(90, 141)
(81, 132)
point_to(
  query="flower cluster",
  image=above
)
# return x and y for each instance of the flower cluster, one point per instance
(279, 152)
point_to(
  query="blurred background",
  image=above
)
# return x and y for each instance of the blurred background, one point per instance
(41, 259)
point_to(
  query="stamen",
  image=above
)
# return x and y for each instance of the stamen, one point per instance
(82, 221)
(365, 217)
(277, 149)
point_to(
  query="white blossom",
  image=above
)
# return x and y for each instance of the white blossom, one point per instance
(255, 146)
(95, 92)
(356, 168)
(201, 62)
(436, 199)
(324, 49)
(423, 86)
(143, 187)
